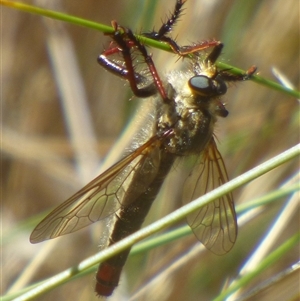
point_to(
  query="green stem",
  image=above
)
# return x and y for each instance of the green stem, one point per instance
(149, 42)
(265, 263)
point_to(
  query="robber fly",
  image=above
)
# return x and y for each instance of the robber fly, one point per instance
(187, 106)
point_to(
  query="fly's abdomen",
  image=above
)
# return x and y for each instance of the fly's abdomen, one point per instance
(128, 220)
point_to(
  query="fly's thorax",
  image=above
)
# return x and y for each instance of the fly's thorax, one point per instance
(190, 115)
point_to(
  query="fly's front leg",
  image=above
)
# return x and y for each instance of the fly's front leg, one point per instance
(228, 77)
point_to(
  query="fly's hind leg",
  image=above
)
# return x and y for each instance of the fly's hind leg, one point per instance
(126, 43)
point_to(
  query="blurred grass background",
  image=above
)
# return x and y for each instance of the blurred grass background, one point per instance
(61, 114)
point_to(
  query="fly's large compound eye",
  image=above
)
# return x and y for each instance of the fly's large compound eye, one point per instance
(205, 86)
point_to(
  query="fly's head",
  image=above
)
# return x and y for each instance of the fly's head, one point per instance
(207, 86)
(198, 89)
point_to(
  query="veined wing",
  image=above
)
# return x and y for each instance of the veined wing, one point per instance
(214, 224)
(104, 195)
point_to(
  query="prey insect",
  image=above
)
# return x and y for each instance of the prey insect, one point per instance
(187, 104)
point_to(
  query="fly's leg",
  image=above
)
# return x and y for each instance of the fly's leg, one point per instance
(148, 60)
(161, 34)
(226, 76)
(125, 72)
(112, 66)
(126, 41)
(123, 46)
(229, 77)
